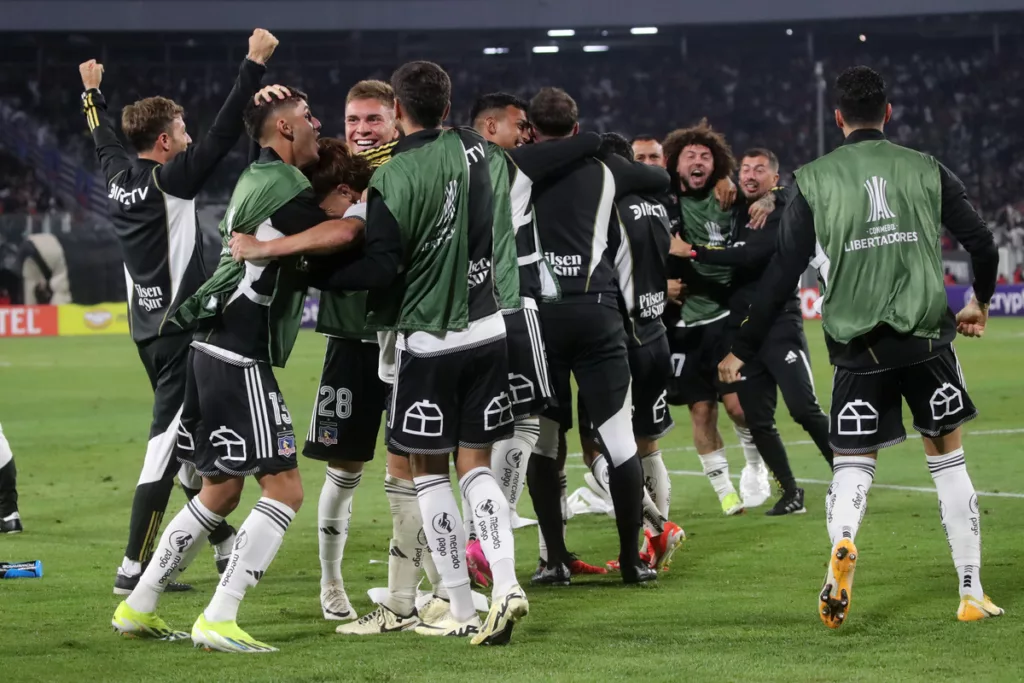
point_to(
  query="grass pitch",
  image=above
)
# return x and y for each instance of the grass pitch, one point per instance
(739, 603)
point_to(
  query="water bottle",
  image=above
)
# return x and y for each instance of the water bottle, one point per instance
(21, 570)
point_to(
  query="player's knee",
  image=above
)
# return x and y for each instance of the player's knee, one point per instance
(284, 487)
(734, 409)
(350, 466)
(704, 416)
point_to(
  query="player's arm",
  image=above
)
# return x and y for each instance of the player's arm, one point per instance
(972, 232)
(111, 154)
(756, 251)
(633, 177)
(794, 250)
(184, 175)
(382, 257)
(538, 162)
(327, 237)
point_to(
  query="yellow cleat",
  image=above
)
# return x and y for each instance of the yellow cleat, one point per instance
(505, 612)
(132, 624)
(225, 636)
(732, 505)
(834, 601)
(972, 609)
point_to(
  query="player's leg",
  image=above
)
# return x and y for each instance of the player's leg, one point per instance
(758, 394)
(254, 437)
(796, 383)
(10, 520)
(866, 417)
(937, 396)
(223, 537)
(754, 485)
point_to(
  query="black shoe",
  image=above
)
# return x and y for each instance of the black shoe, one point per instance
(791, 503)
(124, 585)
(11, 525)
(638, 573)
(551, 575)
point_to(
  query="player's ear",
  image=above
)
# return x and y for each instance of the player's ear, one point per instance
(285, 129)
(447, 110)
(576, 128)
(839, 119)
(163, 142)
(888, 112)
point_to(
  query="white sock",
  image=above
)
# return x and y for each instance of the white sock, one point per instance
(542, 546)
(510, 457)
(259, 538)
(445, 532)
(334, 512)
(408, 545)
(599, 468)
(5, 450)
(493, 517)
(467, 520)
(433, 576)
(750, 452)
(182, 538)
(958, 507)
(564, 483)
(657, 481)
(653, 519)
(716, 467)
(847, 497)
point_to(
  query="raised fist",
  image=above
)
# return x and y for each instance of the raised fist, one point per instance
(92, 74)
(262, 44)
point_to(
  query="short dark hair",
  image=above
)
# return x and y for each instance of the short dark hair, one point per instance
(553, 112)
(617, 144)
(424, 90)
(255, 116)
(144, 121)
(701, 134)
(335, 166)
(644, 138)
(773, 160)
(860, 96)
(495, 100)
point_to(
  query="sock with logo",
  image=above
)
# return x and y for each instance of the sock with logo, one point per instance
(961, 518)
(716, 467)
(258, 541)
(467, 520)
(8, 479)
(657, 481)
(408, 546)
(180, 542)
(334, 512)
(493, 517)
(847, 497)
(750, 452)
(446, 539)
(510, 458)
(223, 537)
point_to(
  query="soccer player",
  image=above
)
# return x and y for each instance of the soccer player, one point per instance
(784, 361)
(584, 334)
(235, 422)
(501, 119)
(697, 158)
(153, 212)
(648, 150)
(10, 520)
(640, 269)
(440, 263)
(870, 215)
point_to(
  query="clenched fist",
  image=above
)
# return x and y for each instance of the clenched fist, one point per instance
(92, 74)
(262, 44)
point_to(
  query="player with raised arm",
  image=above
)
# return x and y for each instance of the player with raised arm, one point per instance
(870, 216)
(153, 212)
(235, 422)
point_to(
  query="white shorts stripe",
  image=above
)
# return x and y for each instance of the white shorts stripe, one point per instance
(394, 388)
(264, 433)
(311, 435)
(250, 388)
(540, 363)
(959, 370)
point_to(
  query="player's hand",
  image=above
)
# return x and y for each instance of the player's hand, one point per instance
(676, 292)
(262, 44)
(680, 247)
(247, 248)
(760, 210)
(729, 369)
(725, 192)
(971, 320)
(92, 74)
(269, 92)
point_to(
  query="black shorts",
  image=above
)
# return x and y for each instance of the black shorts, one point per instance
(166, 363)
(441, 402)
(586, 341)
(528, 379)
(867, 409)
(234, 420)
(349, 403)
(696, 353)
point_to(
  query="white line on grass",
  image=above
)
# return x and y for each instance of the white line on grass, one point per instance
(891, 487)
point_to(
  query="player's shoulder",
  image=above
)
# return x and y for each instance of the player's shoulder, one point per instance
(378, 156)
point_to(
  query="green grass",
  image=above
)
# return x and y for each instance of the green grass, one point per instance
(738, 605)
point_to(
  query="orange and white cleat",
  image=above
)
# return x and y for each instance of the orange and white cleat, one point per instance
(578, 567)
(663, 546)
(972, 609)
(614, 566)
(835, 597)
